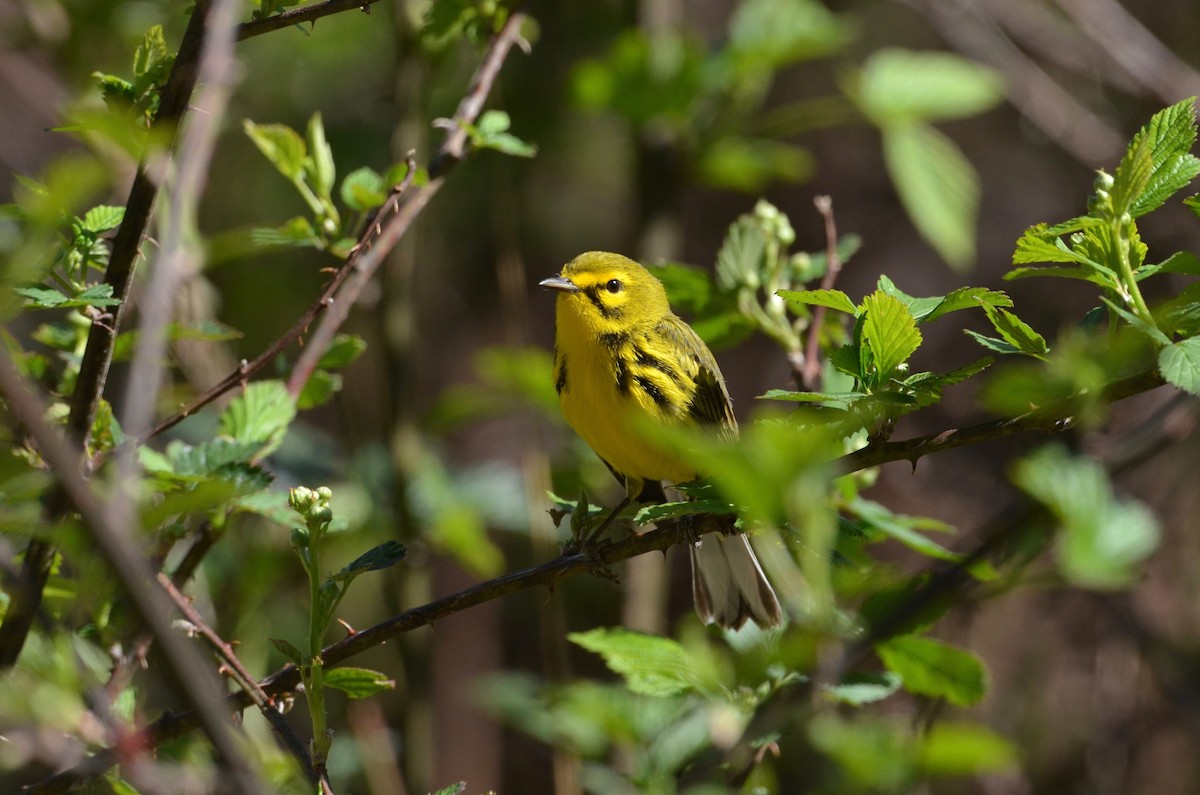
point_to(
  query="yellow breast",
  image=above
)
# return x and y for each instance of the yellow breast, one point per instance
(611, 383)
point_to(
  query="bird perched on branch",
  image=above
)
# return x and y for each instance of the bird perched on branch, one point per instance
(623, 359)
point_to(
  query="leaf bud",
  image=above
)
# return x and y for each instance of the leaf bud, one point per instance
(299, 538)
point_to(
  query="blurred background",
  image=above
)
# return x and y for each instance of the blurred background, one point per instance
(657, 124)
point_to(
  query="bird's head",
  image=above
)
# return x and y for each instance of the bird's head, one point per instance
(609, 292)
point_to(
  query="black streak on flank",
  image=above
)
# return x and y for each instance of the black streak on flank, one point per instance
(646, 359)
(622, 375)
(560, 382)
(651, 389)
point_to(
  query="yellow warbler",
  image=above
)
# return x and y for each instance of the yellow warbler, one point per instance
(622, 357)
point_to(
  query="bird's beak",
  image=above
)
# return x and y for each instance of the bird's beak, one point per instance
(559, 283)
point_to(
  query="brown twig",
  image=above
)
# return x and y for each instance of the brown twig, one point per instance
(810, 376)
(187, 673)
(451, 152)
(295, 16)
(97, 357)
(382, 239)
(265, 703)
(286, 679)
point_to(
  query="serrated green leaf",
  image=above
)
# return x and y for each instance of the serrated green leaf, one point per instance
(1016, 332)
(384, 556)
(1132, 176)
(1180, 262)
(651, 665)
(904, 86)
(281, 145)
(889, 331)
(1041, 244)
(288, 650)
(262, 414)
(103, 218)
(357, 682)
(1103, 539)
(931, 668)
(833, 299)
(966, 298)
(1169, 135)
(41, 297)
(460, 787)
(1180, 364)
(649, 514)
(98, 295)
(740, 258)
(206, 495)
(938, 187)
(363, 189)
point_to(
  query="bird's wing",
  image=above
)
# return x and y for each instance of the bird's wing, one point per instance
(710, 404)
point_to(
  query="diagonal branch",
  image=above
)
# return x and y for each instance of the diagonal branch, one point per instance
(296, 16)
(187, 673)
(93, 368)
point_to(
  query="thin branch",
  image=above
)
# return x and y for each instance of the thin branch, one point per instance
(286, 679)
(187, 673)
(266, 705)
(377, 241)
(810, 377)
(179, 250)
(450, 153)
(296, 16)
(1053, 418)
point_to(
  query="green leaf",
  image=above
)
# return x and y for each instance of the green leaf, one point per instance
(99, 295)
(1041, 244)
(931, 668)
(281, 145)
(323, 171)
(750, 165)
(1169, 135)
(490, 133)
(833, 299)
(963, 749)
(902, 529)
(938, 188)
(651, 665)
(905, 86)
(649, 514)
(1103, 539)
(1015, 332)
(768, 34)
(103, 218)
(740, 259)
(1149, 329)
(344, 349)
(297, 231)
(262, 414)
(1180, 262)
(357, 682)
(858, 689)
(318, 390)
(383, 556)
(965, 298)
(889, 331)
(363, 189)
(460, 787)
(1180, 364)
(811, 397)
(288, 650)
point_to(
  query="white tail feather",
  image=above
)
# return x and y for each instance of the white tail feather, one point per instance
(729, 586)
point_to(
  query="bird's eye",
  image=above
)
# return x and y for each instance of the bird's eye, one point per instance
(613, 286)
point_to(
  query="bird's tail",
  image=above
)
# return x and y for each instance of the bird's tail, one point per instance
(729, 586)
